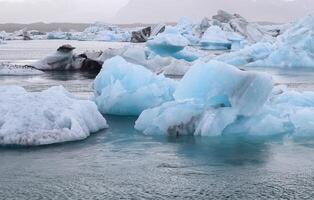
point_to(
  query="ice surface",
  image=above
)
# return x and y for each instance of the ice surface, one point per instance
(176, 117)
(58, 35)
(236, 23)
(177, 68)
(15, 70)
(215, 39)
(51, 116)
(124, 88)
(104, 32)
(56, 61)
(216, 83)
(294, 48)
(247, 55)
(212, 96)
(168, 42)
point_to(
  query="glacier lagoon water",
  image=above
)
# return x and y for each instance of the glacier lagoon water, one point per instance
(120, 163)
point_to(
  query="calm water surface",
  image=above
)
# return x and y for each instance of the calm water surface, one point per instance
(120, 163)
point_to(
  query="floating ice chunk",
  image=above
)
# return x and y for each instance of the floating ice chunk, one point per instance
(168, 43)
(124, 88)
(176, 117)
(15, 70)
(104, 32)
(215, 39)
(247, 55)
(56, 61)
(51, 116)
(216, 83)
(58, 35)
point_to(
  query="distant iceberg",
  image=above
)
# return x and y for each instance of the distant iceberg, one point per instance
(294, 48)
(217, 39)
(41, 118)
(247, 55)
(123, 88)
(168, 42)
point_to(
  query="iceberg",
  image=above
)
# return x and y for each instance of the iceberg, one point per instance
(58, 35)
(247, 55)
(168, 42)
(216, 83)
(217, 93)
(123, 88)
(292, 49)
(104, 32)
(215, 39)
(48, 117)
(62, 59)
(288, 112)
(238, 24)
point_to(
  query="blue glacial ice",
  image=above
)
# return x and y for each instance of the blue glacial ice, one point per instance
(123, 88)
(247, 55)
(212, 96)
(294, 48)
(216, 84)
(41, 118)
(167, 43)
(217, 39)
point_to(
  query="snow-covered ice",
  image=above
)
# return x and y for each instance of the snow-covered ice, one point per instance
(123, 88)
(41, 118)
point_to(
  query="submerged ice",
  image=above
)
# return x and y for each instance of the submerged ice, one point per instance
(41, 118)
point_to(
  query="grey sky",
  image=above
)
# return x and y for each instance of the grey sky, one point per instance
(129, 11)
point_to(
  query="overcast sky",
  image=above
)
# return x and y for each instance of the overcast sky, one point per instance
(129, 11)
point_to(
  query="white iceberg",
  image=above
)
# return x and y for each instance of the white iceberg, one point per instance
(41, 118)
(103, 32)
(123, 88)
(212, 96)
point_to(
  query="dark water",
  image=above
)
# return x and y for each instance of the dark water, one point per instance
(122, 164)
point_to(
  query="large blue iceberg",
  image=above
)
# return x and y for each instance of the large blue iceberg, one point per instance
(123, 88)
(211, 96)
